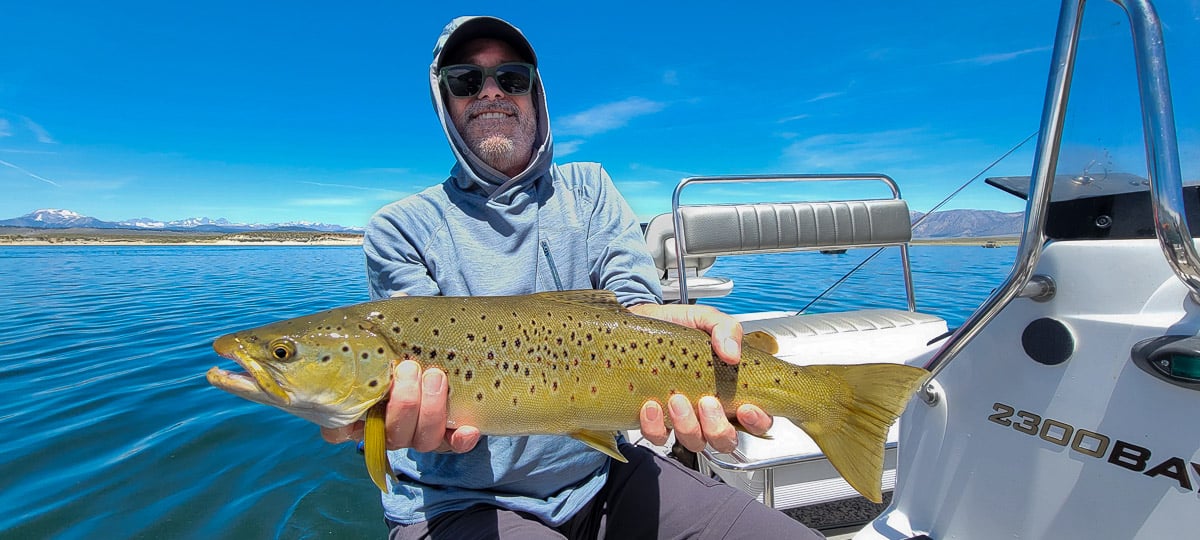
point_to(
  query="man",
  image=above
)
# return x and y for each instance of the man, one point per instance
(509, 221)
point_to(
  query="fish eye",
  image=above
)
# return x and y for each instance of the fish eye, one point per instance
(282, 349)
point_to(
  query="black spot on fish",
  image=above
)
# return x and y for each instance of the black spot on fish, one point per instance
(432, 354)
(516, 367)
(479, 396)
(594, 389)
(379, 350)
(532, 389)
(436, 332)
(491, 355)
(654, 371)
(554, 386)
(326, 358)
(660, 340)
(776, 380)
(631, 388)
(469, 375)
(672, 364)
(641, 361)
(499, 327)
(526, 372)
(505, 366)
(514, 401)
(589, 336)
(496, 384)
(345, 348)
(450, 355)
(416, 319)
(483, 317)
(684, 349)
(395, 329)
(416, 349)
(470, 337)
(453, 320)
(697, 374)
(373, 383)
(366, 355)
(517, 342)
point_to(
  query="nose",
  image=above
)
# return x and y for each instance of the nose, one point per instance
(491, 89)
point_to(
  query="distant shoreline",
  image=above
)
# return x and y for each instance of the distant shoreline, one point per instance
(111, 237)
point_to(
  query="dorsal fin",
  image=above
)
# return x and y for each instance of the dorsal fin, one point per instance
(762, 341)
(593, 298)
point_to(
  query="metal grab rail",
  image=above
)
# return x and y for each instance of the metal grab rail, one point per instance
(1162, 159)
(680, 234)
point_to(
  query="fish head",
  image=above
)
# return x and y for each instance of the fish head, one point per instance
(328, 368)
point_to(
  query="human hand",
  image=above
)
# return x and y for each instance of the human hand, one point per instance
(415, 416)
(706, 423)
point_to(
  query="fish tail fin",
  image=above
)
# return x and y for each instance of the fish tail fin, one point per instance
(853, 434)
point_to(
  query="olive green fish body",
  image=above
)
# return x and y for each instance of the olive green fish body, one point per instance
(573, 363)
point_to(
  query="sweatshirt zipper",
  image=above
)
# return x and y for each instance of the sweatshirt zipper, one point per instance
(553, 269)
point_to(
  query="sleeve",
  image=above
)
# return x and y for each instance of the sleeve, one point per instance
(394, 260)
(621, 261)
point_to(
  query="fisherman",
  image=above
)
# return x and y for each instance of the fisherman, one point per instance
(509, 221)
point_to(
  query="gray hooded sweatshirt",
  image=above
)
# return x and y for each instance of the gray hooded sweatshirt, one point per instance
(551, 227)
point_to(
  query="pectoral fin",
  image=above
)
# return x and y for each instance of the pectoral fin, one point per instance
(762, 341)
(603, 441)
(375, 447)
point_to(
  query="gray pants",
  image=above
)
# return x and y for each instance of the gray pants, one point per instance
(649, 497)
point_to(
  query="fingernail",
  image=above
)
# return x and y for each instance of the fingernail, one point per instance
(407, 370)
(431, 382)
(711, 408)
(731, 346)
(680, 407)
(653, 413)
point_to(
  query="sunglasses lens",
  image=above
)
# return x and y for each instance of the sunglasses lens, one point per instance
(514, 79)
(463, 81)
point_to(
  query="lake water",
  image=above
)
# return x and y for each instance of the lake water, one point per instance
(110, 429)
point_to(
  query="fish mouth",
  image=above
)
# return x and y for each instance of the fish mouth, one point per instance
(256, 384)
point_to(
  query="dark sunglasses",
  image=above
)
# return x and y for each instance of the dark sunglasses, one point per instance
(466, 80)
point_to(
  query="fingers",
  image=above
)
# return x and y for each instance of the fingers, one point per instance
(431, 421)
(653, 427)
(687, 426)
(404, 405)
(754, 419)
(726, 331)
(716, 428)
(462, 439)
(704, 425)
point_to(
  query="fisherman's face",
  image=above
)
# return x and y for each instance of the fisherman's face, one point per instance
(499, 128)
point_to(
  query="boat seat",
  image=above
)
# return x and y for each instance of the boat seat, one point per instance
(867, 335)
(660, 238)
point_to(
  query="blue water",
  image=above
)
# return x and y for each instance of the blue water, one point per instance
(110, 430)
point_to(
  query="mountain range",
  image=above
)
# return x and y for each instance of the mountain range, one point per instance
(66, 219)
(948, 224)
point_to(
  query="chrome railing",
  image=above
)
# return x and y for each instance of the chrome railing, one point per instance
(1162, 156)
(680, 235)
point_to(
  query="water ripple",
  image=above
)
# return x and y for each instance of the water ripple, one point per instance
(112, 430)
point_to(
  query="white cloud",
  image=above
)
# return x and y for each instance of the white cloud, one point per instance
(29, 174)
(607, 117)
(38, 131)
(566, 148)
(988, 59)
(852, 151)
(824, 96)
(793, 118)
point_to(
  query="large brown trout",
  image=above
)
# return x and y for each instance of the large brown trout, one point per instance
(574, 363)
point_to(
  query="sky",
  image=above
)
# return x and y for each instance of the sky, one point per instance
(271, 112)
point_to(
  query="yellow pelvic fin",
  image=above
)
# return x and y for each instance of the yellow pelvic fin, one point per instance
(762, 341)
(853, 437)
(375, 447)
(604, 441)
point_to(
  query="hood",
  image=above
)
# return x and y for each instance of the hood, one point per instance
(471, 172)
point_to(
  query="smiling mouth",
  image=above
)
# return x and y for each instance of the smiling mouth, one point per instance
(492, 116)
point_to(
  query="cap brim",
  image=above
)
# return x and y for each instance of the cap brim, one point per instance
(487, 27)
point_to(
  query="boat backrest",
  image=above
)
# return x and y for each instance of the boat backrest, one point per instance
(734, 229)
(660, 238)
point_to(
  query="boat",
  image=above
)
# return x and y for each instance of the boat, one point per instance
(1064, 407)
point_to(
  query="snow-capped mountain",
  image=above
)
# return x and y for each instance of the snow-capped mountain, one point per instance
(66, 219)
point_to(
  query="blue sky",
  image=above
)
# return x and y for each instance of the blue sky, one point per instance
(311, 111)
